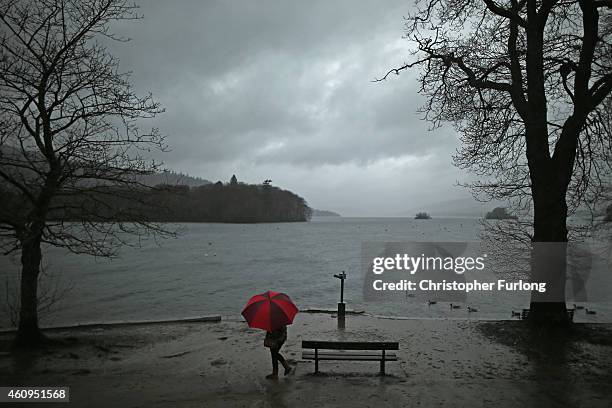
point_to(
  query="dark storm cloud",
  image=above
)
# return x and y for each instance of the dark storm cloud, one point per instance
(283, 89)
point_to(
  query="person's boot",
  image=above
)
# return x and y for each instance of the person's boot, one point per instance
(287, 369)
(273, 376)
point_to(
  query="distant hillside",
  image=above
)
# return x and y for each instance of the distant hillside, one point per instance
(165, 197)
(167, 177)
(219, 202)
(324, 213)
(173, 179)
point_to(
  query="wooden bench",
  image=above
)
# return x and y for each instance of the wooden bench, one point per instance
(366, 351)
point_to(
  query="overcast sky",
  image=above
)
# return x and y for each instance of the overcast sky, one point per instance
(283, 90)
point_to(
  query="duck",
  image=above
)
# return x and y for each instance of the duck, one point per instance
(431, 302)
(578, 307)
(589, 311)
(472, 310)
(455, 306)
(516, 314)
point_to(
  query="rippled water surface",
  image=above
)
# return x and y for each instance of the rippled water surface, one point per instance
(214, 268)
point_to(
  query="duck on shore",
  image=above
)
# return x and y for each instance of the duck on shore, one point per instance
(452, 306)
(590, 312)
(472, 310)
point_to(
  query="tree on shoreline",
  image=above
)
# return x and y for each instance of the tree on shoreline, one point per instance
(527, 84)
(67, 129)
(422, 216)
(500, 213)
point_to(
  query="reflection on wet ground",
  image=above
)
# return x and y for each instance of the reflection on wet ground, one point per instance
(441, 363)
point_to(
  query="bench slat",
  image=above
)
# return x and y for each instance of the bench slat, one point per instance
(349, 356)
(350, 345)
(347, 353)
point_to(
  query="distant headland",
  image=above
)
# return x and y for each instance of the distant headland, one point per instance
(174, 197)
(324, 213)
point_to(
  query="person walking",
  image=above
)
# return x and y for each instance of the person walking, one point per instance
(272, 312)
(274, 341)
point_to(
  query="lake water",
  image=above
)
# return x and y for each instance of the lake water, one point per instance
(215, 268)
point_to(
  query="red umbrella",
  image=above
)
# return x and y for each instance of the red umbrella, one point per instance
(269, 311)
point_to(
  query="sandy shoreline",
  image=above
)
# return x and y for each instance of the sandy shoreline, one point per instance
(442, 363)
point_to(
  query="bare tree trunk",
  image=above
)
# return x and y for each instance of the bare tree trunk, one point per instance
(549, 255)
(548, 261)
(28, 332)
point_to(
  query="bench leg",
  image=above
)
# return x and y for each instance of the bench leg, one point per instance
(316, 361)
(382, 364)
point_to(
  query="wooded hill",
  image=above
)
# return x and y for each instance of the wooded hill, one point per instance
(231, 202)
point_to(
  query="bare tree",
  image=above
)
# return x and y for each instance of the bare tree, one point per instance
(70, 148)
(527, 85)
